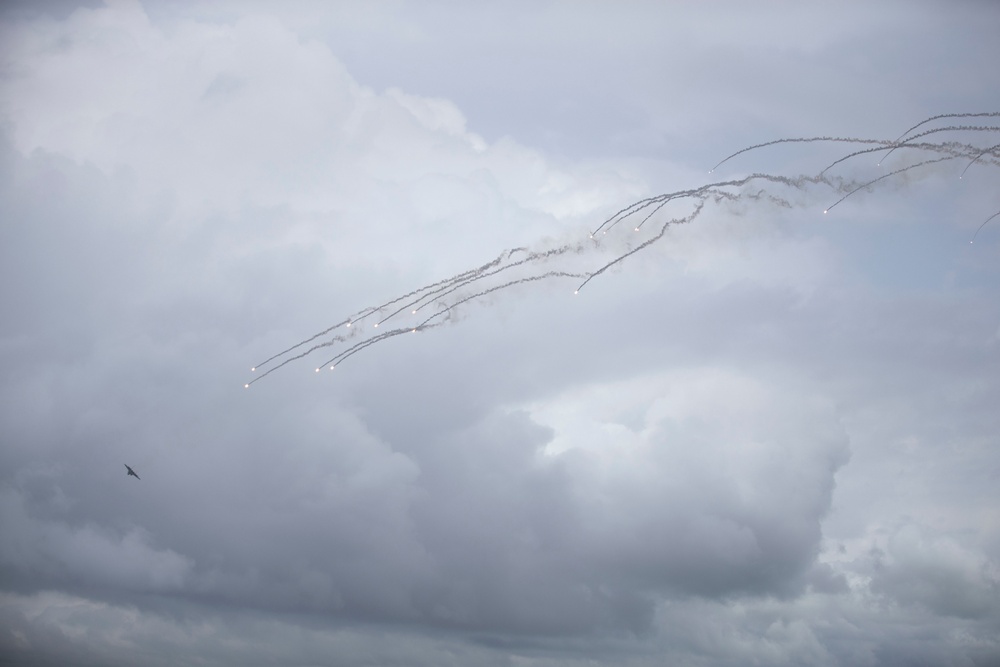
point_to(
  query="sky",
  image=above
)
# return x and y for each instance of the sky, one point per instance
(749, 432)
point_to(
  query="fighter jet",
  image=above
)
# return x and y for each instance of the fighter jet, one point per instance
(131, 472)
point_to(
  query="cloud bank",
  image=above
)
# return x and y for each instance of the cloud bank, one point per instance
(768, 439)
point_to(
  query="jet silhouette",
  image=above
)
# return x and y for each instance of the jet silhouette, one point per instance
(131, 472)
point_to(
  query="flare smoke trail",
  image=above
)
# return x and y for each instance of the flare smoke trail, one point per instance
(523, 266)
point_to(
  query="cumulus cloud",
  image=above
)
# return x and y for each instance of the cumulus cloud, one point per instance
(762, 442)
(718, 488)
(937, 572)
(61, 553)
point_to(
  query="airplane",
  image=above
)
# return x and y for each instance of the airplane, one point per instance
(131, 472)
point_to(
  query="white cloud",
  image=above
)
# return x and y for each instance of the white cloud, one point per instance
(693, 472)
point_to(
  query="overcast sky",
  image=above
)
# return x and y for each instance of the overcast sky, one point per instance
(770, 436)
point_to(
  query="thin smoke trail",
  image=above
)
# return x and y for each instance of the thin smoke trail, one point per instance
(950, 128)
(301, 355)
(659, 200)
(446, 311)
(465, 275)
(365, 312)
(983, 225)
(985, 151)
(985, 114)
(357, 347)
(448, 289)
(699, 193)
(533, 266)
(641, 246)
(654, 211)
(625, 212)
(490, 274)
(800, 140)
(427, 295)
(297, 346)
(885, 176)
(953, 148)
(879, 143)
(511, 283)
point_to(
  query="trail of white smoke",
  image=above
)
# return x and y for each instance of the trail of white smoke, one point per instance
(448, 293)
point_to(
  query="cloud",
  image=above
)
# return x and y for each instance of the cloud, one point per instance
(937, 572)
(61, 553)
(690, 462)
(704, 482)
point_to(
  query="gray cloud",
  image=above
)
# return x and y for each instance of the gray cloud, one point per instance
(769, 438)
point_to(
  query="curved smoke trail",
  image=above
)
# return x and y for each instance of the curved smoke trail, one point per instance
(522, 266)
